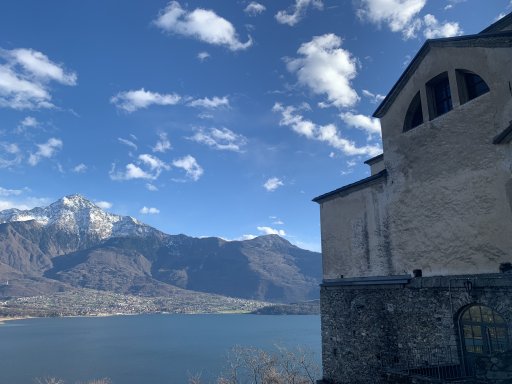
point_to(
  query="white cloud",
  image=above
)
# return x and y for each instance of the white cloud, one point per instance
(500, 16)
(368, 124)
(151, 187)
(103, 204)
(215, 102)
(45, 150)
(254, 8)
(154, 163)
(202, 24)
(80, 168)
(434, 29)
(40, 66)
(29, 121)
(399, 15)
(202, 56)
(190, 165)
(272, 184)
(10, 155)
(149, 210)
(374, 97)
(24, 203)
(163, 144)
(25, 76)
(325, 133)
(129, 143)
(221, 139)
(10, 192)
(271, 231)
(131, 172)
(130, 101)
(297, 11)
(325, 68)
(246, 237)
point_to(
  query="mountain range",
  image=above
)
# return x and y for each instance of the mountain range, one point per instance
(73, 243)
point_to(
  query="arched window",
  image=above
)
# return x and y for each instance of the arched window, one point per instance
(470, 85)
(439, 95)
(414, 115)
(483, 331)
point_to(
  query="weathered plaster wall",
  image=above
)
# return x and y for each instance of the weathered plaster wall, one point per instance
(355, 238)
(446, 205)
(366, 329)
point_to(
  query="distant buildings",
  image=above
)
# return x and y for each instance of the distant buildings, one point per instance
(416, 257)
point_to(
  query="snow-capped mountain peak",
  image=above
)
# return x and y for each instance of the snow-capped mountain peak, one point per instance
(76, 214)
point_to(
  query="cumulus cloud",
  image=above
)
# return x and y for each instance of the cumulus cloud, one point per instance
(272, 184)
(151, 187)
(130, 172)
(254, 8)
(297, 11)
(103, 204)
(271, 231)
(163, 144)
(374, 97)
(222, 139)
(128, 143)
(149, 210)
(25, 75)
(80, 168)
(368, 124)
(189, 164)
(213, 103)
(29, 122)
(399, 15)
(154, 163)
(324, 133)
(325, 68)
(202, 56)
(45, 150)
(130, 101)
(434, 29)
(202, 24)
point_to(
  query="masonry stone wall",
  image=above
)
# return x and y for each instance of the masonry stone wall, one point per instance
(367, 329)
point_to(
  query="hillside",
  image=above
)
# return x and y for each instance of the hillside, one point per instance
(72, 243)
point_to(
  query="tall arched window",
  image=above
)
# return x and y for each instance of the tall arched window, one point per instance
(483, 331)
(439, 95)
(414, 115)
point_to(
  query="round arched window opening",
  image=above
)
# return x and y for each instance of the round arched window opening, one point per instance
(483, 331)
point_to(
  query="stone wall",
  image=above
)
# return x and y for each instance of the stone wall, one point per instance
(369, 328)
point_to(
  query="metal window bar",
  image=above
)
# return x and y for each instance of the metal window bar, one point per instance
(442, 363)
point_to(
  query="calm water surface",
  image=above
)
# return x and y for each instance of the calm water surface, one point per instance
(146, 349)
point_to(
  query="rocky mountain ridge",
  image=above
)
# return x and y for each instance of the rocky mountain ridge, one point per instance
(74, 243)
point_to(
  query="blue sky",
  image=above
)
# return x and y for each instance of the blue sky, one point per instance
(209, 118)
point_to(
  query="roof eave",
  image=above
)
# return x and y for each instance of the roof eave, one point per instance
(352, 187)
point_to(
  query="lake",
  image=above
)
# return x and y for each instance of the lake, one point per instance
(143, 349)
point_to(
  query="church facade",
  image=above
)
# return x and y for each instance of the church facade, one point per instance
(417, 256)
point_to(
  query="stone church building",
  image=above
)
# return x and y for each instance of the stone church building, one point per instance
(417, 282)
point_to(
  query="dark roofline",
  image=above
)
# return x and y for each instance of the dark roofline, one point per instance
(458, 41)
(504, 137)
(352, 187)
(499, 25)
(370, 280)
(375, 159)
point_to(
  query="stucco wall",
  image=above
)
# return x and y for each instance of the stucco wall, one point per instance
(368, 329)
(355, 233)
(446, 205)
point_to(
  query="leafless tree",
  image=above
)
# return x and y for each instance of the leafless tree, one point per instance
(249, 365)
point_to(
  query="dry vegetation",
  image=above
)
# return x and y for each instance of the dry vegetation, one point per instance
(249, 365)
